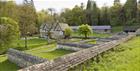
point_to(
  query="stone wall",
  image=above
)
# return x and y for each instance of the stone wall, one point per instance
(70, 60)
(74, 46)
(22, 59)
(138, 32)
(66, 47)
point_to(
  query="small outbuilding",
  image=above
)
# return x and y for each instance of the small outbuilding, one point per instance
(130, 28)
(97, 29)
(56, 30)
(102, 29)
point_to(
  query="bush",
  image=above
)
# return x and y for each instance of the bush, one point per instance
(132, 22)
(9, 33)
(68, 32)
(85, 30)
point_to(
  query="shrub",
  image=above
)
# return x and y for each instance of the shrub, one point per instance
(68, 32)
(85, 30)
(132, 22)
(9, 33)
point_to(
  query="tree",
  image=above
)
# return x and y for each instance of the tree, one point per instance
(138, 13)
(43, 17)
(92, 13)
(114, 12)
(116, 2)
(27, 19)
(9, 9)
(24, 14)
(76, 16)
(68, 32)
(9, 33)
(104, 16)
(85, 30)
(130, 9)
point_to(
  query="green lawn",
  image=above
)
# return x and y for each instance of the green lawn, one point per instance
(5, 65)
(32, 43)
(48, 51)
(93, 34)
(126, 57)
(92, 42)
(117, 29)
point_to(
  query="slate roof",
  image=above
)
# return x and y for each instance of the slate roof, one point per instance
(54, 27)
(101, 27)
(95, 27)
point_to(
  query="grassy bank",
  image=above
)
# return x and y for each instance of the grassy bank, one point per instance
(126, 57)
(48, 52)
(5, 65)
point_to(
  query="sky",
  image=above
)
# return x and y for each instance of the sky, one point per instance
(61, 4)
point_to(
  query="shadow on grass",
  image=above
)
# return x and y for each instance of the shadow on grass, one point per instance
(8, 66)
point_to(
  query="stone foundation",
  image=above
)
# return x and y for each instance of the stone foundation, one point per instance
(70, 60)
(22, 59)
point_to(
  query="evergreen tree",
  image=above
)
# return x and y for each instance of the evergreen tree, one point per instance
(130, 9)
(115, 12)
(9, 33)
(104, 16)
(92, 13)
(138, 14)
(116, 2)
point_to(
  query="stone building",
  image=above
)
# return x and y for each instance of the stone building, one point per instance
(56, 30)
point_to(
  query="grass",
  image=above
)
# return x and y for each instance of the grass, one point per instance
(117, 29)
(32, 43)
(5, 65)
(126, 57)
(49, 52)
(92, 42)
(102, 35)
(52, 54)
(93, 34)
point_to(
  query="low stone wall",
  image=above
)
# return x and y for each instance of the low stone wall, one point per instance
(74, 46)
(22, 59)
(138, 32)
(60, 46)
(68, 61)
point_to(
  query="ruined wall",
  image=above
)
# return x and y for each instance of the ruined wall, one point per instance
(138, 32)
(66, 47)
(22, 59)
(70, 60)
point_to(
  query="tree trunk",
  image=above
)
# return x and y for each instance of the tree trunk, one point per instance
(26, 42)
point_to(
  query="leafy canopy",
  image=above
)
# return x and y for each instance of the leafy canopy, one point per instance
(9, 32)
(68, 32)
(85, 30)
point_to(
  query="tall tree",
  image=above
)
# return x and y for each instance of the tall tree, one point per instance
(116, 2)
(8, 9)
(104, 16)
(138, 14)
(9, 33)
(76, 16)
(115, 11)
(130, 9)
(27, 20)
(92, 13)
(43, 17)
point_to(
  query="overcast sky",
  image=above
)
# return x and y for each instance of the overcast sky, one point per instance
(60, 4)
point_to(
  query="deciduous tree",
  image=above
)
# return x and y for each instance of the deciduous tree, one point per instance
(85, 30)
(9, 33)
